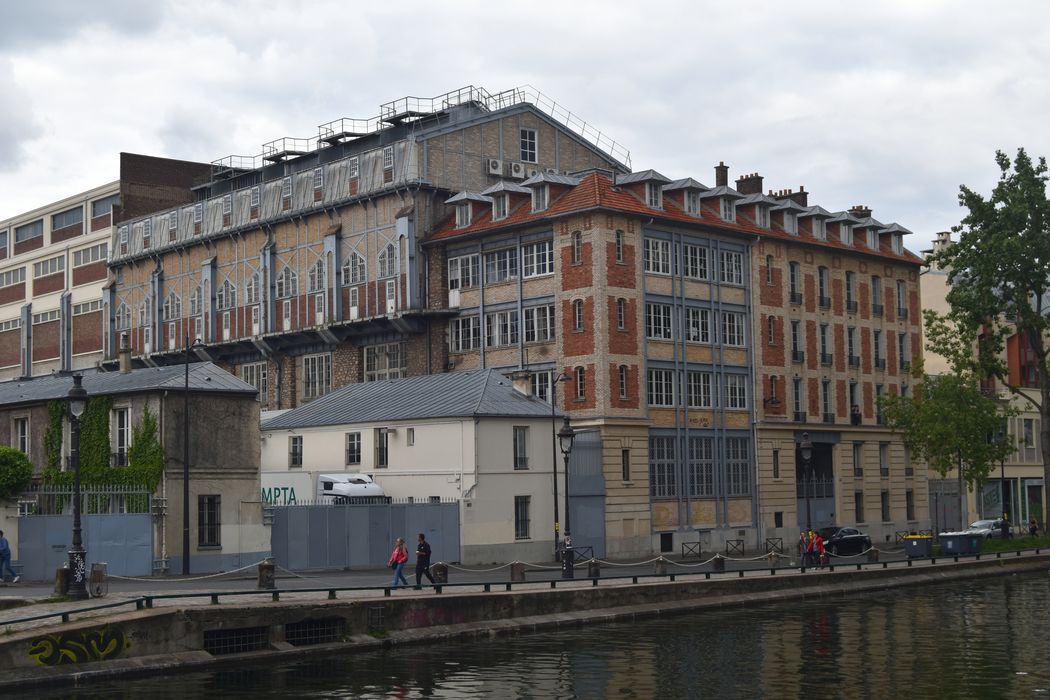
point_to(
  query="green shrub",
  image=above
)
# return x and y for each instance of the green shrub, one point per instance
(15, 472)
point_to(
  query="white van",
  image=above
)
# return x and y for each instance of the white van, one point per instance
(346, 488)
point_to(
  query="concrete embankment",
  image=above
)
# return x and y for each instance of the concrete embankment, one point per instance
(168, 638)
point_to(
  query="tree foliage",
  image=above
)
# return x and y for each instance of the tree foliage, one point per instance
(999, 279)
(15, 472)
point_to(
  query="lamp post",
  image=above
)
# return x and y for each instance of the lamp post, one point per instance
(806, 448)
(565, 437)
(553, 453)
(77, 555)
(186, 457)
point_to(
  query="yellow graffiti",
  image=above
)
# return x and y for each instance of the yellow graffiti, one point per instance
(79, 647)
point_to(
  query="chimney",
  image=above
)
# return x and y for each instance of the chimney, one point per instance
(125, 354)
(860, 211)
(749, 184)
(942, 241)
(522, 381)
(800, 198)
(721, 174)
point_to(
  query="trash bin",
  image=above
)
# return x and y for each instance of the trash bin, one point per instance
(266, 574)
(954, 543)
(918, 546)
(517, 572)
(440, 572)
(98, 584)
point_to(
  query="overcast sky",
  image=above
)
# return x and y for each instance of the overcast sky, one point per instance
(888, 104)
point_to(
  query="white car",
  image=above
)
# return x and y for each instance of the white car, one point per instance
(985, 528)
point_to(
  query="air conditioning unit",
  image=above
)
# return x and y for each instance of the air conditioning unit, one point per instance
(354, 314)
(552, 171)
(495, 166)
(532, 172)
(453, 298)
(516, 170)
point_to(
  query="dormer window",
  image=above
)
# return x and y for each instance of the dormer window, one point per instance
(898, 243)
(499, 207)
(539, 198)
(692, 203)
(462, 215)
(846, 234)
(728, 209)
(653, 195)
(819, 232)
(762, 216)
(873, 239)
(791, 223)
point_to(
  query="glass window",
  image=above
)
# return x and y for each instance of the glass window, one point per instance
(732, 328)
(701, 467)
(657, 256)
(521, 447)
(317, 375)
(663, 481)
(388, 261)
(353, 448)
(537, 259)
(295, 451)
(528, 145)
(209, 522)
(577, 315)
(30, 230)
(521, 517)
(464, 333)
(501, 265)
(464, 272)
(539, 324)
(661, 387)
(732, 268)
(101, 207)
(70, 217)
(738, 469)
(386, 361)
(658, 321)
(700, 390)
(501, 328)
(736, 391)
(694, 261)
(382, 442)
(698, 325)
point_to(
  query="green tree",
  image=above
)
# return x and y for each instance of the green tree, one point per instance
(15, 472)
(999, 282)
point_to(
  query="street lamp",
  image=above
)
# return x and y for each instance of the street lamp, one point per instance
(77, 397)
(806, 448)
(565, 437)
(186, 458)
(563, 377)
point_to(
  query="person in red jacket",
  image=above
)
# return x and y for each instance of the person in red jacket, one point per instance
(397, 562)
(818, 547)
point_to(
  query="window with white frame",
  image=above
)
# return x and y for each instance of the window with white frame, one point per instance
(698, 325)
(771, 330)
(732, 328)
(660, 387)
(762, 216)
(694, 261)
(732, 268)
(464, 333)
(12, 277)
(501, 265)
(146, 313)
(86, 307)
(353, 448)
(286, 188)
(463, 215)
(654, 195)
(384, 361)
(619, 246)
(621, 314)
(700, 472)
(541, 385)
(522, 520)
(388, 158)
(539, 324)
(227, 204)
(226, 295)
(798, 396)
(70, 217)
(464, 271)
(354, 269)
(316, 278)
(796, 335)
(255, 374)
(353, 167)
(791, 223)
(521, 447)
(537, 259)
(50, 266)
(902, 298)
(528, 145)
(295, 451)
(658, 321)
(897, 241)
(317, 375)
(254, 196)
(663, 467)
(172, 306)
(121, 435)
(846, 233)
(540, 197)
(728, 207)
(251, 289)
(577, 247)
(45, 317)
(501, 328)
(851, 345)
(873, 239)
(382, 447)
(122, 319)
(388, 261)
(147, 232)
(700, 389)
(499, 207)
(22, 435)
(287, 284)
(198, 210)
(658, 256)
(736, 391)
(577, 315)
(623, 377)
(86, 256)
(819, 231)
(580, 375)
(195, 301)
(692, 203)
(738, 467)
(318, 178)
(827, 401)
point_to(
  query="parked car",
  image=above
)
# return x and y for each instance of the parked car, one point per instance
(986, 528)
(844, 541)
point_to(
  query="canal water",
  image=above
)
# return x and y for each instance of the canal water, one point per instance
(983, 638)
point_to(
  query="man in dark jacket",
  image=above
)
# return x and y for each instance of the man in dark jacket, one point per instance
(423, 561)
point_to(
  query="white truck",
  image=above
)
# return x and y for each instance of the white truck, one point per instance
(292, 488)
(347, 488)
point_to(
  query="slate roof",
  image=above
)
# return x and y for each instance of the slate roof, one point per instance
(504, 186)
(553, 178)
(204, 377)
(464, 394)
(686, 183)
(468, 196)
(643, 176)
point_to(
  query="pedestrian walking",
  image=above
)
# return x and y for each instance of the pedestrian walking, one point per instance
(802, 547)
(818, 547)
(5, 560)
(1033, 527)
(423, 561)
(397, 562)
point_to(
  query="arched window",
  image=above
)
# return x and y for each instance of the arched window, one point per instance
(251, 289)
(287, 283)
(226, 295)
(354, 269)
(123, 317)
(172, 306)
(145, 313)
(317, 276)
(195, 302)
(388, 261)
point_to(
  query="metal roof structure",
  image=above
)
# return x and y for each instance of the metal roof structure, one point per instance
(204, 377)
(642, 176)
(686, 183)
(555, 178)
(452, 395)
(505, 186)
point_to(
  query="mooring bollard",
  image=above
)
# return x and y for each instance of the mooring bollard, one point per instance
(594, 568)
(517, 572)
(873, 555)
(266, 574)
(719, 563)
(660, 566)
(440, 572)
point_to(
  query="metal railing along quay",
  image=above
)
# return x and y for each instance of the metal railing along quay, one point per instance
(144, 602)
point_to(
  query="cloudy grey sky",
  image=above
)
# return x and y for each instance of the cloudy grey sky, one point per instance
(888, 104)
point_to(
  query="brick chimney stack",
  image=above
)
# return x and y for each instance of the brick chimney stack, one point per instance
(749, 184)
(860, 211)
(721, 174)
(800, 198)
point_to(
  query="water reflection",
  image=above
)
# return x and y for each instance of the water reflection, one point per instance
(974, 639)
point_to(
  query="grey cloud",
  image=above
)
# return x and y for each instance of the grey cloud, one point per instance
(35, 23)
(18, 123)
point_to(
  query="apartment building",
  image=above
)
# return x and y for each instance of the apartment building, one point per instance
(53, 266)
(301, 270)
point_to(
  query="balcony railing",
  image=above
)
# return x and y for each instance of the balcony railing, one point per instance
(818, 488)
(800, 416)
(826, 359)
(854, 361)
(876, 309)
(905, 365)
(829, 417)
(119, 459)
(902, 314)
(798, 356)
(880, 363)
(851, 306)
(825, 302)
(796, 297)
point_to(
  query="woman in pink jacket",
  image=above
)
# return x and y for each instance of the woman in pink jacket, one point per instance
(397, 562)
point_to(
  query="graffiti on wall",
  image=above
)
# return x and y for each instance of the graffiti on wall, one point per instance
(79, 647)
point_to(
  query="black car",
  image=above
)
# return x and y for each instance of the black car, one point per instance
(844, 541)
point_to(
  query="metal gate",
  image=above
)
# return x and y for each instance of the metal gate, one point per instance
(587, 492)
(116, 528)
(945, 505)
(341, 536)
